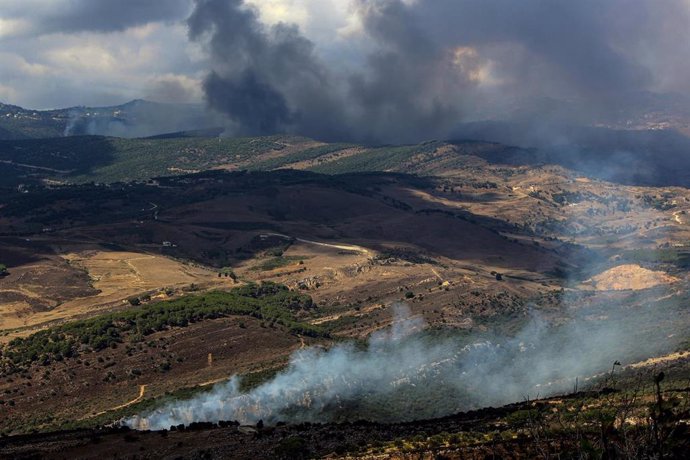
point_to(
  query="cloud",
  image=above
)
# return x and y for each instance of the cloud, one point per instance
(90, 68)
(172, 88)
(38, 17)
(61, 53)
(323, 21)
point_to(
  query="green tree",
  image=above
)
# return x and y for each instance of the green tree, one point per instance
(3, 270)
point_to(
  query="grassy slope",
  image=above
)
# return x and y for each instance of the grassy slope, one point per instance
(377, 159)
(302, 155)
(100, 159)
(82, 159)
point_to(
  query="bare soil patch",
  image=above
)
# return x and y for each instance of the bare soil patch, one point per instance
(630, 277)
(87, 282)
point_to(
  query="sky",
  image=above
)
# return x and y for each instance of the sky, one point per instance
(330, 68)
(62, 53)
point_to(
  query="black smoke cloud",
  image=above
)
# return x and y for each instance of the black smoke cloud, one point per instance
(264, 109)
(271, 78)
(409, 84)
(428, 66)
(574, 41)
(264, 79)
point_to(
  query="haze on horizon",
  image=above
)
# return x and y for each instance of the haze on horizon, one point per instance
(382, 70)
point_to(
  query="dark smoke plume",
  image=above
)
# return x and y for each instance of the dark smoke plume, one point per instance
(423, 67)
(264, 79)
(271, 78)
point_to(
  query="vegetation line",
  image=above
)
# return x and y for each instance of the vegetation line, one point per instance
(268, 301)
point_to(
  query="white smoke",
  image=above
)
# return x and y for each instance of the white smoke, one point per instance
(74, 118)
(403, 375)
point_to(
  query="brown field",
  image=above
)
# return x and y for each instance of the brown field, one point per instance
(84, 283)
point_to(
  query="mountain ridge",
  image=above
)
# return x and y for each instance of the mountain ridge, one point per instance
(135, 118)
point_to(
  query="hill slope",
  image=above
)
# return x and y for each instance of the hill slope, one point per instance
(135, 118)
(79, 159)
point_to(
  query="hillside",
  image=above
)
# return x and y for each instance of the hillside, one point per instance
(133, 119)
(474, 253)
(77, 159)
(652, 150)
(81, 159)
(253, 257)
(344, 230)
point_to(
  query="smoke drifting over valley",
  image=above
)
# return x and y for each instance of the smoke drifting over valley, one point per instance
(417, 69)
(138, 119)
(403, 374)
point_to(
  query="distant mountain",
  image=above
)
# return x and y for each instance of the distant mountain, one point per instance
(637, 111)
(82, 144)
(628, 156)
(137, 118)
(79, 159)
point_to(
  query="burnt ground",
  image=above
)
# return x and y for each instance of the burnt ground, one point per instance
(79, 388)
(480, 434)
(39, 279)
(233, 441)
(621, 416)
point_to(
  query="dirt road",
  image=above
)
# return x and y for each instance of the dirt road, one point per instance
(343, 247)
(142, 391)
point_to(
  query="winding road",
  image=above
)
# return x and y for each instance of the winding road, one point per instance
(142, 391)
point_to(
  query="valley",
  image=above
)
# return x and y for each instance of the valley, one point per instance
(475, 249)
(344, 229)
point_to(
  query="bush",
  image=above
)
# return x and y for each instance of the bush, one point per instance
(228, 273)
